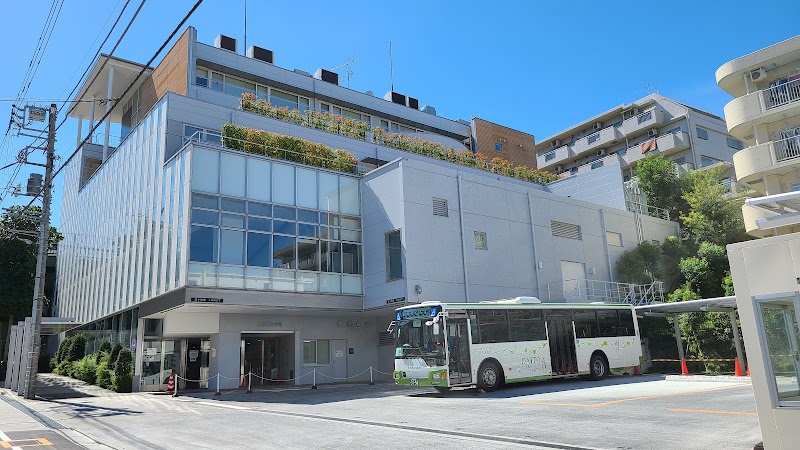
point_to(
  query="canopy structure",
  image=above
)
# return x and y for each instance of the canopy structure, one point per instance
(56, 325)
(716, 304)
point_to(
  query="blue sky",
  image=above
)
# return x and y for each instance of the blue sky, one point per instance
(531, 65)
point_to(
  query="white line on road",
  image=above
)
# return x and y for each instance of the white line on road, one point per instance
(219, 405)
(4, 437)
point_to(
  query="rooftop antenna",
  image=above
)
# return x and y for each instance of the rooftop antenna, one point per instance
(650, 87)
(245, 27)
(391, 67)
(347, 67)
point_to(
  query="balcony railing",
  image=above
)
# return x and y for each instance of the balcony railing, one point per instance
(647, 119)
(597, 139)
(782, 94)
(583, 290)
(786, 149)
(100, 139)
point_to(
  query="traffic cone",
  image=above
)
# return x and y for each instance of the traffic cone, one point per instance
(637, 370)
(748, 370)
(684, 369)
(738, 368)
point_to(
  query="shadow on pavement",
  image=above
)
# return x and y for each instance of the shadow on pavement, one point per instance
(82, 410)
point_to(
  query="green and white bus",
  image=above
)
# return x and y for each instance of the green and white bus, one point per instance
(490, 343)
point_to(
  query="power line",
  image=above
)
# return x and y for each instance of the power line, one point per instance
(63, 99)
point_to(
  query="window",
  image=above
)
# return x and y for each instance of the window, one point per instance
(617, 123)
(258, 250)
(549, 156)
(439, 207)
(526, 325)
(614, 239)
(702, 133)
(642, 118)
(622, 151)
(351, 258)
(492, 326)
(585, 323)
(626, 327)
(316, 352)
(706, 161)
(735, 143)
(203, 244)
(307, 254)
(608, 321)
(565, 230)
(498, 147)
(394, 257)
(777, 324)
(480, 240)
(283, 252)
(597, 164)
(594, 137)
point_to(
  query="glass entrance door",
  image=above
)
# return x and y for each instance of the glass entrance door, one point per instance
(458, 350)
(260, 355)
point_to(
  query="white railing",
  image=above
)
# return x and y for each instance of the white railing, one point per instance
(584, 290)
(782, 94)
(785, 149)
(100, 139)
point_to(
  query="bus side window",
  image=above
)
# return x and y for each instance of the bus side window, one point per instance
(493, 325)
(608, 321)
(526, 325)
(473, 325)
(626, 323)
(585, 323)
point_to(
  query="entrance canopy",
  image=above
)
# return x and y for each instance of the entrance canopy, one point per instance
(56, 325)
(717, 304)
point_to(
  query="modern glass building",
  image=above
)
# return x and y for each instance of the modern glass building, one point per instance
(251, 218)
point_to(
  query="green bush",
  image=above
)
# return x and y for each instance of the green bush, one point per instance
(114, 353)
(103, 374)
(123, 371)
(86, 369)
(77, 349)
(64, 368)
(105, 346)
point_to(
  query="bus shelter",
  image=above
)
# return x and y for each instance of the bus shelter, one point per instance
(717, 304)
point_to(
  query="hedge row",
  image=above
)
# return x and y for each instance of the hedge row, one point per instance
(109, 368)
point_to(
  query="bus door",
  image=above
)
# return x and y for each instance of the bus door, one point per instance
(458, 349)
(562, 342)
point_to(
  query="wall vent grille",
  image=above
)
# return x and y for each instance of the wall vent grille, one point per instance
(439, 207)
(565, 230)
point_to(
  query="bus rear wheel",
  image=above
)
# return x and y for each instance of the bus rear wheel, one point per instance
(488, 376)
(598, 367)
(442, 389)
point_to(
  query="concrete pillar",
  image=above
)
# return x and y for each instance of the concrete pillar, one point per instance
(138, 356)
(737, 339)
(225, 358)
(108, 108)
(11, 352)
(91, 119)
(80, 132)
(24, 355)
(678, 340)
(17, 356)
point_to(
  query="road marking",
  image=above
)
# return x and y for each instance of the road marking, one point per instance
(220, 405)
(712, 411)
(631, 399)
(4, 437)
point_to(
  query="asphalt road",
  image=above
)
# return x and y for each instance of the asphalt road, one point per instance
(619, 413)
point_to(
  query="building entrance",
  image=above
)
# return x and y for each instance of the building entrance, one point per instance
(268, 356)
(188, 358)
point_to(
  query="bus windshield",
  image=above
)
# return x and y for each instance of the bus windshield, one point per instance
(415, 339)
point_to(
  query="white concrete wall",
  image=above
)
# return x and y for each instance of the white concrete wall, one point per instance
(760, 268)
(603, 186)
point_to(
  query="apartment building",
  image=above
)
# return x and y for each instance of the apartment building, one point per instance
(652, 125)
(209, 253)
(765, 115)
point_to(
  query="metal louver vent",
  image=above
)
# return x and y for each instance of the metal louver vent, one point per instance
(385, 338)
(565, 230)
(439, 207)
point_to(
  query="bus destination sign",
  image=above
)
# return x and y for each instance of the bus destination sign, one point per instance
(418, 313)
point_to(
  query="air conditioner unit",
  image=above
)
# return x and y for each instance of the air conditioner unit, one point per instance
(758, 74)
(652, 132)
(559, 168)
(601, 152)
(556, 143)
(597, 125)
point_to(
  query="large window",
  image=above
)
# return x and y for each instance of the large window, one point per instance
(316, 352)
(780, 341)
(492, 326)
(526, 325)
(237, 86)
(702, 133)
(585, 323)
(394, 256)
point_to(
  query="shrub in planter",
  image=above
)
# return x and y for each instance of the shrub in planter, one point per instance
(123, 371)
(64, 368)
(105, 349)
(114, 352)
(103, 373)
(77, 348)
(86, 369)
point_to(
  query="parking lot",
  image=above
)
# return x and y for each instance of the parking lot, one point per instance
(646, 412)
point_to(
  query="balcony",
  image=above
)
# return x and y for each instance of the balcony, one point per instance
(597, 140)
(766, 106)
(648, 119)
(769, 158)
(666, 144)
(763, 221)
(553, 157)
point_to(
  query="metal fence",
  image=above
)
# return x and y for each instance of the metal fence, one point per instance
(584, 290)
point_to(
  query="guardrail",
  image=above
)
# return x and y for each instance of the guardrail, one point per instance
(585, 290)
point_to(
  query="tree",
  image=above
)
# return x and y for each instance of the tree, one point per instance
(640, 265)
(661, 183)
(672, 251)
(705, 272)
(712, 216)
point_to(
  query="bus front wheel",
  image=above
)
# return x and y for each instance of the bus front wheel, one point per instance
(488, 376)
(598, 367)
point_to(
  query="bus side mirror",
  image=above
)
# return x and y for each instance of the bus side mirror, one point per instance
(436, 329)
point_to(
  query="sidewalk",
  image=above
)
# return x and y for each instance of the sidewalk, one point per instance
(22, 427)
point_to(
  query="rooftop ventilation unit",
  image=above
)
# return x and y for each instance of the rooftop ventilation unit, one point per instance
(301, 72)
(429, 109)
(370, 93)
(597, 125)
(395, 97)
(327, 76)
(260, 54)
(555, 143)
(413, 103)
(225, 43)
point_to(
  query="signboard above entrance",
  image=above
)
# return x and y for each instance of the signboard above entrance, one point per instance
(205, 300)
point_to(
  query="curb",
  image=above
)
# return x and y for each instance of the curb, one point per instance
(712, 378)
(69, 433)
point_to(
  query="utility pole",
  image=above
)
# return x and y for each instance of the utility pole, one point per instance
(41, 259)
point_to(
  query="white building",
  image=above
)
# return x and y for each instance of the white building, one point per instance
(206, 259)
(655, 124)
(765, 114)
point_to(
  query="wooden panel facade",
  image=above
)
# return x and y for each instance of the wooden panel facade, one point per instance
(169, 76)
(493, 140)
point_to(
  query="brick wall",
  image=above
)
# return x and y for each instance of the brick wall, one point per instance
(516, 146)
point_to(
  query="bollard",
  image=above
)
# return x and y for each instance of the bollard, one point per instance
(314, 386)
(175, 392)
(218, 392)
(250, 382)
(371, 382)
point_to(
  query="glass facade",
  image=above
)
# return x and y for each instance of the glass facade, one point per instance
(265, 225)
(123, 229)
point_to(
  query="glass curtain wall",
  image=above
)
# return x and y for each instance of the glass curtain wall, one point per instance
(265, 225)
